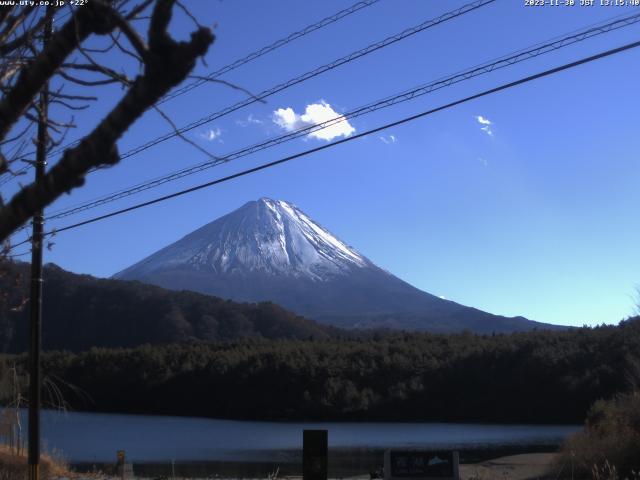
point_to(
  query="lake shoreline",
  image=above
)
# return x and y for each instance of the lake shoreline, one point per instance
(524, 466)
(343, 463)
(197, 447)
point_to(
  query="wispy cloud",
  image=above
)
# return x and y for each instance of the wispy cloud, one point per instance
(486, 125)
(315, 113)
(483, 161)
(250, 120)
(213, 134)
(388, 140)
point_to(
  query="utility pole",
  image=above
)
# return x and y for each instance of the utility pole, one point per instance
(35, 297)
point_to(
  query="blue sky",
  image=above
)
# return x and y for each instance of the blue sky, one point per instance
(532, 214)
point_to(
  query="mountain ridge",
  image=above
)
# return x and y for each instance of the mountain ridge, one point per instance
(270, 250)
(81, 311)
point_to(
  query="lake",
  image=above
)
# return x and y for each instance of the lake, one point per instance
(94, 438)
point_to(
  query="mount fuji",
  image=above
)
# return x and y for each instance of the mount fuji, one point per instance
(269, 250)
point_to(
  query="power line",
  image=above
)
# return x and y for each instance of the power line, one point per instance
(11, 175)
(232, 66)
(502, 62)
(396, 123)
(313, 73)
(270, 48)
(304, 77)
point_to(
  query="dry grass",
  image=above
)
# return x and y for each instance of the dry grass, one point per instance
(14, 467)
(609, 446)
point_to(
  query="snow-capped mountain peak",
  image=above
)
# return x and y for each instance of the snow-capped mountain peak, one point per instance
(272, 237)
(270, 250)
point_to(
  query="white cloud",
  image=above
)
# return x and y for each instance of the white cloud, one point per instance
(315, 113)
(250, 120)
(286, 118)
(483, 161)
(213, 134)
(487, 130)
(388, 140)
(443, 297)
(486, 124)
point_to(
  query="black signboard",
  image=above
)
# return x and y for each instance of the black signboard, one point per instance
(421, 464)
(314, 454)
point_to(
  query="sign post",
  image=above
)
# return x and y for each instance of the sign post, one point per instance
(420, 465)
(120, 464)
(314, 454)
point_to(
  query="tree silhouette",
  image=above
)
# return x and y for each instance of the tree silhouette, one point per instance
(26, 67)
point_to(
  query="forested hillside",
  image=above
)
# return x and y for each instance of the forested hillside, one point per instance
(526, 377)
(81, 311)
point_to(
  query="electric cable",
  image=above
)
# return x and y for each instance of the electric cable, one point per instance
(232, 66)
(302, 78)
(396, 123)
(502, 62)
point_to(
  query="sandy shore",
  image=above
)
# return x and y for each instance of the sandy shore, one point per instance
(527, 466)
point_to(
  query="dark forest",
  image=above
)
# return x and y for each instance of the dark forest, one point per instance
(537, 377)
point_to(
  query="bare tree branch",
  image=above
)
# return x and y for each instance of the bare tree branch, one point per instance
(136, 41)
(72, 97)
(12, 23)
(123, 49)
(230, 85)
(87, 83)
(99, 69)
(18, 135)
(138, 9)
(27, 36)
(166, 65)
(182, 137)
(92, 18)
(5, 11)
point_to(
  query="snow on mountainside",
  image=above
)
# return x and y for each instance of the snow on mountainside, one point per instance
(271, 237)
(269, 250)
